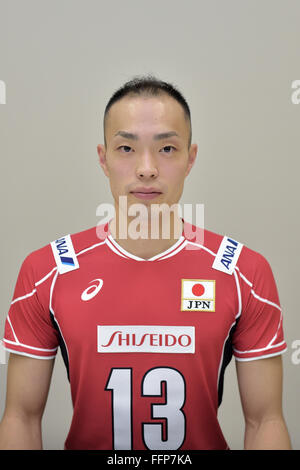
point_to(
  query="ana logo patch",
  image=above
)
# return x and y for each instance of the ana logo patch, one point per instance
(227, 256)
(64, 254)
(198, 295)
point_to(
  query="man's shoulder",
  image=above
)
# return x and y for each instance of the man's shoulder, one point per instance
(47, 257)
(231, 253)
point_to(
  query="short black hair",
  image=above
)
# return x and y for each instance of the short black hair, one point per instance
(148, 85)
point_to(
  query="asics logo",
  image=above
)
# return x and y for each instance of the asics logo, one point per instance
(92, 290)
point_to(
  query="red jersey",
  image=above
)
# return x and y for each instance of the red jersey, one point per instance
(145, 342)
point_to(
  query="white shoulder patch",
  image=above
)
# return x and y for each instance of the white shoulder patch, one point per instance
(64, 254)
(227, 256)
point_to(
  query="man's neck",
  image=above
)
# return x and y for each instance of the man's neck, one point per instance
(166, 235)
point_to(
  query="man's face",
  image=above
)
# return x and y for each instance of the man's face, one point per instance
(137, 159)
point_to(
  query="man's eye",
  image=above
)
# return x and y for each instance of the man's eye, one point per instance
(127, 147)
(169, 147)
(124, 146)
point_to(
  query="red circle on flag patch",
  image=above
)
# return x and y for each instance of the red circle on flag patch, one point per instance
(198, 289)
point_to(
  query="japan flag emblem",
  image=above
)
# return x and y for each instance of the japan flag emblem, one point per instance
(198, 295)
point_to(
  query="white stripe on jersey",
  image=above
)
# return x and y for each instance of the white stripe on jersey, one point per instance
(15, 336)
(184, 243)
(273, 339)
(113, 248)
(264, 300)
(238, 288)
(173, 250)
(28, 355)
(119, 250)
(254, 293)
(45, 277)
(260, 357)
(204, 248)
(27, 346)
(52, 311)
(23, 296)
(259, 349)
(89, 248)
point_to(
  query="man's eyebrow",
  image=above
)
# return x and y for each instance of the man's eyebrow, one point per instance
(163, 135)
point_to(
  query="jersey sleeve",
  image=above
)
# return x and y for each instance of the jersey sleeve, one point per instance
(28, 329)
(259, 332)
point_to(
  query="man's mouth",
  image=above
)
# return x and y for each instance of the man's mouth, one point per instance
(146, 193)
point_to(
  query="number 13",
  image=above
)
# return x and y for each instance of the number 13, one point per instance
(120, 384)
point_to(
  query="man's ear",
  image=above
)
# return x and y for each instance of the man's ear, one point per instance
(192, 157)
(102, 158)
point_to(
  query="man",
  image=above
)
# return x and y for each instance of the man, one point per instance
(146, 325)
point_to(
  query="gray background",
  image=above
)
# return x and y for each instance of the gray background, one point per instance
(234, 62)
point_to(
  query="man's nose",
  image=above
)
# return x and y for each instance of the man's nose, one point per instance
(147, 167)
